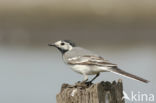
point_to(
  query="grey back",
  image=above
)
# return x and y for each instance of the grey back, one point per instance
(77, 51)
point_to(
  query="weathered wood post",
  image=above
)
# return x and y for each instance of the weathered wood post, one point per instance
(103, 92)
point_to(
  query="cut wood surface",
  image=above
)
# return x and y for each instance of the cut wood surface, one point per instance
(103, 92)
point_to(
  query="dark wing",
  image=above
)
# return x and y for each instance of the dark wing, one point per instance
(90, 60)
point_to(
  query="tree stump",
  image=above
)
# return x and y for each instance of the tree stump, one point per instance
(103, 92)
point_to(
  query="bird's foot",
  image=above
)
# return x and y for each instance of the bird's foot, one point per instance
(89, 83)
(83, 84)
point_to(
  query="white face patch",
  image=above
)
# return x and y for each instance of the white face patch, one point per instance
(63, 45)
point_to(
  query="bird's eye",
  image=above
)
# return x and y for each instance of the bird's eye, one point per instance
(62, 43)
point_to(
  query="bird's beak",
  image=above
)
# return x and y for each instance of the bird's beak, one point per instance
(52, 45)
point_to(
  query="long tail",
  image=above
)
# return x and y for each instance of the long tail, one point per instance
(126, 74)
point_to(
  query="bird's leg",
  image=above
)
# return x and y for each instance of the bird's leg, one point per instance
(82, 83)
(90, 82)
(94, 77)
(85, 78)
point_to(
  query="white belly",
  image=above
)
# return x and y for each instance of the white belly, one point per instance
(88, 70)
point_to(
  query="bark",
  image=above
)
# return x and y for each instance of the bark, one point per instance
(103, 92)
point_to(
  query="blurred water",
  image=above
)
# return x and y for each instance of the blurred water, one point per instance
(35, 74)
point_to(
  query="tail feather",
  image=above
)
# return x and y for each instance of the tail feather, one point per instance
(126, 74)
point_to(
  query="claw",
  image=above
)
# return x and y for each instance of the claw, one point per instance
(83, 84)
(89, 83)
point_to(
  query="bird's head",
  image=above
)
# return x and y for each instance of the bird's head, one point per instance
(63, 45)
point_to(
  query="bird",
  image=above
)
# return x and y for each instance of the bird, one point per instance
(86, 62)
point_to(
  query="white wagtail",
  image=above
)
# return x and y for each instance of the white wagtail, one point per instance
(87, 63)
